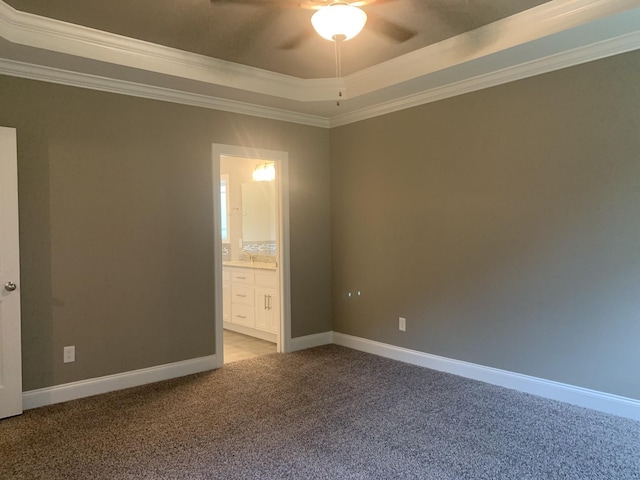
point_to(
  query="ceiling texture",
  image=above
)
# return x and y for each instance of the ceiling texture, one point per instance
(262, 57)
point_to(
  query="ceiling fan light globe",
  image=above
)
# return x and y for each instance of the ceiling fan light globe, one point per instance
(339, 21)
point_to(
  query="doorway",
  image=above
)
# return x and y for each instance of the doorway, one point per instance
(251, 252)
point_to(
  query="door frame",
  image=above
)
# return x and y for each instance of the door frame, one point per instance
(281, 160)
(10, 345)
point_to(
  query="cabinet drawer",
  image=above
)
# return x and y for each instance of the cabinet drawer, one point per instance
(242, 315)
(267, 279)
(241, 295)
(242, 276)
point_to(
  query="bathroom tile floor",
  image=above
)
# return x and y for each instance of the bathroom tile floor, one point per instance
(242, 347)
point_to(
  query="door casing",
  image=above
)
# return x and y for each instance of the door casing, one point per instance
(282, 187)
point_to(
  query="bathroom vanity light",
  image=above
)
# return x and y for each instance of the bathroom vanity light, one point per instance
(265, 172)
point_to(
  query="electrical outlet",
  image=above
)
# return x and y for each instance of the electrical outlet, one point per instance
(69, 354)
(402, 324)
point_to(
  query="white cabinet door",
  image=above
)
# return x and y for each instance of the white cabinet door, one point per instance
(273, 303)
(267, 309)
(10, 351)
(265, 278)
(262, 320)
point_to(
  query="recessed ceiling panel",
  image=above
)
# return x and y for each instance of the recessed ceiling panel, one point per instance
(276, 35)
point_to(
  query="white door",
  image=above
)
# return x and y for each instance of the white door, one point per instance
(10, 348)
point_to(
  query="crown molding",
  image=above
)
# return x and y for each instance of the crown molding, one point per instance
(555, 35)
(62, 37)
(50, 34)
(94, 82)
(525, 28)
(577, 56)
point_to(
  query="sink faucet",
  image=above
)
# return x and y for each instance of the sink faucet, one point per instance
(245, 253)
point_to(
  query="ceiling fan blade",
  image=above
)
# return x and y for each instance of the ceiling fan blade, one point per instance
(305, 4)
(463, 17)
(297, 40)
(389, 29)
(255, 24)
(259, 3)
(366, 3)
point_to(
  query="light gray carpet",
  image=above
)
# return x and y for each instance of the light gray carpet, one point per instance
(324, 413)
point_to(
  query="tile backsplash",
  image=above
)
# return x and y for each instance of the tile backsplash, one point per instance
(264, 252)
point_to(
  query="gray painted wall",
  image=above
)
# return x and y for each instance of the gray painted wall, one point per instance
(503, 224)
(116, 229)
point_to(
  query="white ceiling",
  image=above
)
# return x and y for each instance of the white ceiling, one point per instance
(550, 36)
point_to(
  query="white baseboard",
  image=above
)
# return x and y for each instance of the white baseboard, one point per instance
(604, 402)
(310, 341)
(583, 397)
(109, 383)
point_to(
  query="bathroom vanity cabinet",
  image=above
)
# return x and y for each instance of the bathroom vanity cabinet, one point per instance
(251, 301)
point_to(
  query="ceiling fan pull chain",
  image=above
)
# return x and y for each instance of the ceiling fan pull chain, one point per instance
(338, 41)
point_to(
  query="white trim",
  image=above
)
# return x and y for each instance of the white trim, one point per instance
(614, 46)
(526, 27)
(95, 386)
(54, 35)
(284, 237)
(567, 21)
(549, 37)
(283, 337)
(310, 341)
(605, 402)
(218, 319)
(583, 397)
(512, 73)
(123, 87)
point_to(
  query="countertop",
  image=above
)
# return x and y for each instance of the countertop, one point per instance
(254, 265)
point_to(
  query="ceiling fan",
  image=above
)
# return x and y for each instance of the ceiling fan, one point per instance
(376, 23)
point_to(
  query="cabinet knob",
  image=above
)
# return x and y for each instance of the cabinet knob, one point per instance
(10, 286)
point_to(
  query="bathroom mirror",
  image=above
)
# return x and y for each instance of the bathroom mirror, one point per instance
(259, 212)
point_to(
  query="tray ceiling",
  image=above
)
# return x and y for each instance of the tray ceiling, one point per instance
(228, 57)
(254, 35)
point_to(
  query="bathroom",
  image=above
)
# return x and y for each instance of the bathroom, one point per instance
(249, 231)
